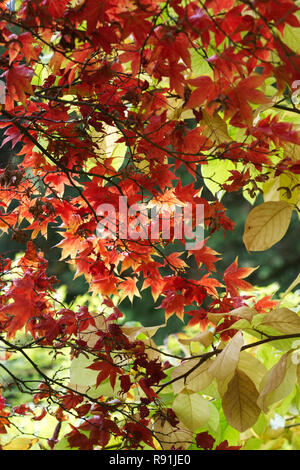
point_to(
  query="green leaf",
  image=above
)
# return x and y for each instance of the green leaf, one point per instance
(216, 173)
(214, 418)
(191, 409)
(199, 64)
(84, 380)
(291, 37)
(278, 383)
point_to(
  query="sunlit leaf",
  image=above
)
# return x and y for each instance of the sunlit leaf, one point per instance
(266, 225)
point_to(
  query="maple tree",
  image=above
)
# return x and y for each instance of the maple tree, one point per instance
(119, 99)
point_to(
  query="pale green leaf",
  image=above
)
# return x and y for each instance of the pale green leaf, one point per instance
(191, 409)
(291, 37)
(278, 382)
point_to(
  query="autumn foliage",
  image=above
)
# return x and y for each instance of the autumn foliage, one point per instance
(119, 99)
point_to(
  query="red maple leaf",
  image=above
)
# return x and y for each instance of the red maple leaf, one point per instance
(205, 255)
(198, 317)
(17, 313)
(18, 79)
(265, 304)
(107, 369)
(205, 440)
(173, 303)
(224, 446)
(233, 278)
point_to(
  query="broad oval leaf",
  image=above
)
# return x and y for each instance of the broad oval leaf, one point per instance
(198, 379)
(291, 37)
(252, 367)
(191, 409)
(278, 382)
(284, 320)
(266, 225)
(239, 402)
(225, 364)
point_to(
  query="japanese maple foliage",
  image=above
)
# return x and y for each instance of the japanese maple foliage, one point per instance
(116, 100)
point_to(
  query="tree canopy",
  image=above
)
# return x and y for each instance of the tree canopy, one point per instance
(129, 121)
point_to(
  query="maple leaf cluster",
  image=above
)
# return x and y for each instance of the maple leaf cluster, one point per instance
(118, 100)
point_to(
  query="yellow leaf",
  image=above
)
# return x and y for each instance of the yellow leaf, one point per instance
(133, 332)
(215, 317)
(200, 65)
(284, 320)
(151, 351)
(204, 337)
(282, 188)
(239, 402)
(278, 382)
(292, 151)
(266, 224)
(216, 128)
(106, 146)
(197, 380)
(191, 409)
(223, 367)
(176, 110)
(20, 443)
(90, 333)
(291, 286)
(241, 324)
(244, 312)
(169, 436)
(252, 367)
(79, 374)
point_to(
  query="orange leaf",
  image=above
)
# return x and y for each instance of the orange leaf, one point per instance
(233, 278)
(18, 79)
(129, 288)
